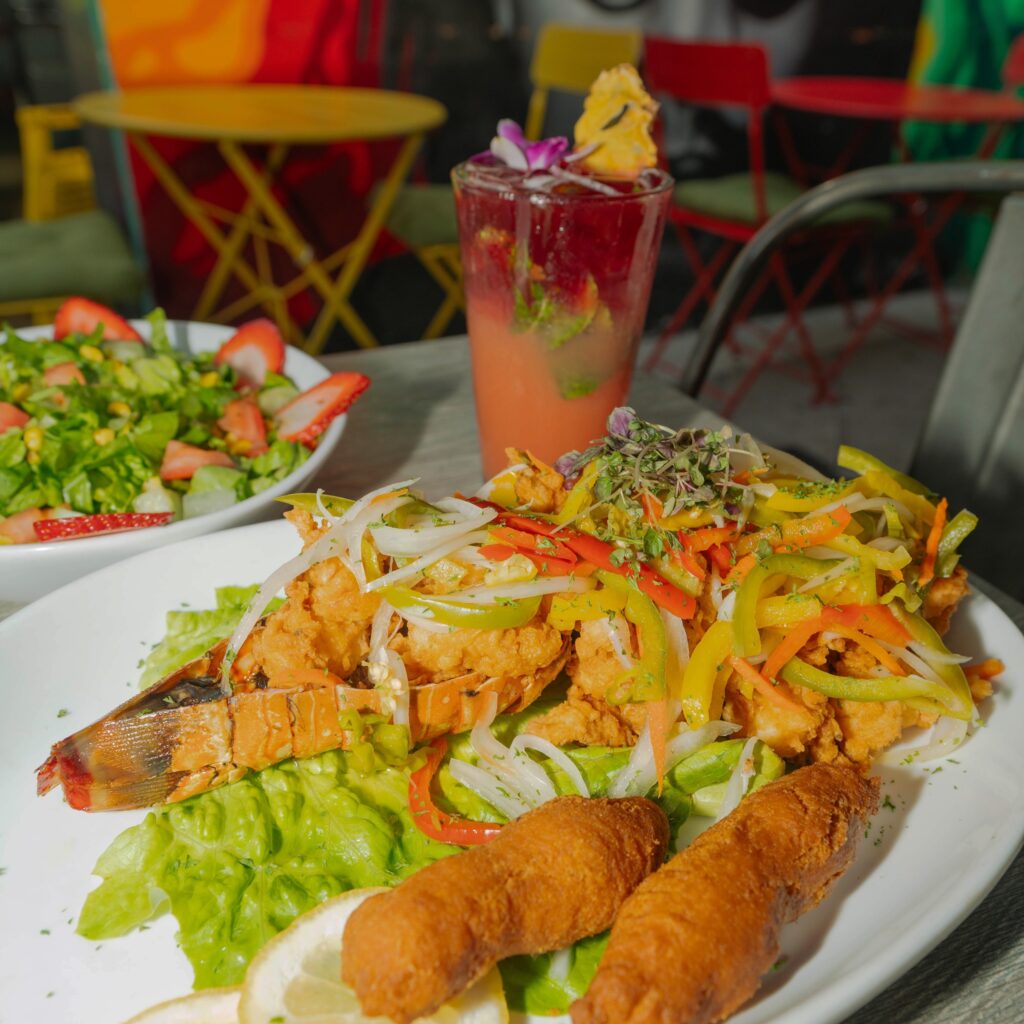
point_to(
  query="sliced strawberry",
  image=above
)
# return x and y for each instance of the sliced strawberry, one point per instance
(11, 416)
(89, 526)
(19, 528)
(63, 373)
(182, 460)
(306, 417)
(83, 316)
(255, 350)
(243, 421)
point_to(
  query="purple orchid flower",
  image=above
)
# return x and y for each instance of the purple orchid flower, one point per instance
(510, 147)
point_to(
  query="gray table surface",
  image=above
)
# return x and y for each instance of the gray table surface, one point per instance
(417, 420)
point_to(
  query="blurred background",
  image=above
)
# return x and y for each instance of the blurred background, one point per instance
(477, 57)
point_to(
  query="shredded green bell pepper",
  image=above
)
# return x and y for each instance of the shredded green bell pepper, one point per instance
(746, 637)
(461, 614)
(910, 598)
(954, 534)
(308, 503)
(707, 661)
(950, 673)
(862, 462)
(580, 497)
(915, 690)
(648, 681)
(883, 561)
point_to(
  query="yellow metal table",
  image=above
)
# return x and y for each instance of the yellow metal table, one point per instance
(279, 117)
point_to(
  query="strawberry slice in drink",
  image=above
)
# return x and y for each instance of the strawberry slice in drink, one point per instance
(72, 527)
(83, 316)
(242, 421)
(306, 417)
(182, 460)
(255, 350)
(11, 416)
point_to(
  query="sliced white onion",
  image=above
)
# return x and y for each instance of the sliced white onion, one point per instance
(488, 487)
(524, 741)
(561, 964)
(613, 630)
(820, 552)
(826, 577)
(430, 625)
(941, 740)
(356, 527)
(526, 779)
(739, 781)
(409, 541)
(917, 663)
(517, 591)
(322, 508)
(727, 607)
(488, 788)
(716, 592)
(678, 641)
(886, 543)
(764, 490)
(639, 775)
(423, 562)
(937, 657)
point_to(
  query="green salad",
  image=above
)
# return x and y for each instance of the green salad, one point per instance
(238, 864)
(94, 426)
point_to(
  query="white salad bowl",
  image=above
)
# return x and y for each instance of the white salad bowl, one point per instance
(28, 571)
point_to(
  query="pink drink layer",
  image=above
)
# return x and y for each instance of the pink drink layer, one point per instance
(557, 284)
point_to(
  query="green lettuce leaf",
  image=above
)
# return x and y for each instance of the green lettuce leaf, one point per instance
(238, 864)
(192, 633)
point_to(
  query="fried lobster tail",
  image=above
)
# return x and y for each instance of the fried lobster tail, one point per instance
(191, 732)
(556, 875)
(713, 913)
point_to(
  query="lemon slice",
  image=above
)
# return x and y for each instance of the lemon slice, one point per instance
(296, 977)
(211, 1006)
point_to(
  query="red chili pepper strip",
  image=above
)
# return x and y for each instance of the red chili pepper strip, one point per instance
(662, 593)
(432, 821)
(548, 566)
(722, 557)
(497, 552)
(688, 562)
(541, 545)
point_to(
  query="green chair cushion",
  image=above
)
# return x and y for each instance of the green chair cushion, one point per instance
(424, 215)
(732, 198)
(84, 254)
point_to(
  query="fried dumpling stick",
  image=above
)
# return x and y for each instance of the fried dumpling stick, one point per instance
(558, 874)
(691, 944)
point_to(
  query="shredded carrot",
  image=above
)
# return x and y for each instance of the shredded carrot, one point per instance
(696, 541)
(931, 545)
(657, 722)
(873, 647)
(790, 645)
(497, 552)
(987, 669)
(390, 494)
(776, 694)
(796, 534)
(874, 619)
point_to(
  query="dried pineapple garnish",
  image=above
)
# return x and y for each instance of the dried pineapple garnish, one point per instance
(616, 121)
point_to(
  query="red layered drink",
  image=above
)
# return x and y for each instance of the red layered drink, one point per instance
(558, 277)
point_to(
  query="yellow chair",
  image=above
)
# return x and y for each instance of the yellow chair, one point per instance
(567, 58)
(57, 182)
(63, 245)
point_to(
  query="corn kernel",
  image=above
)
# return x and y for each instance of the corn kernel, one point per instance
(92, 353)
(103, 436)
(21, 391)
(210, 379)
(33, 439)
(32, 458)
(119, 409)
(237, 445)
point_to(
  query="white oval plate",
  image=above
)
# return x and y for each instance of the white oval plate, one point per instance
(926, 863)
(28, 571)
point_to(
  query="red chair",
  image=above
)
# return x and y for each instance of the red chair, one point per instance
(733, 207)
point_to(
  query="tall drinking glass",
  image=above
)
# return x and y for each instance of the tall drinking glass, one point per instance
(557, 281)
